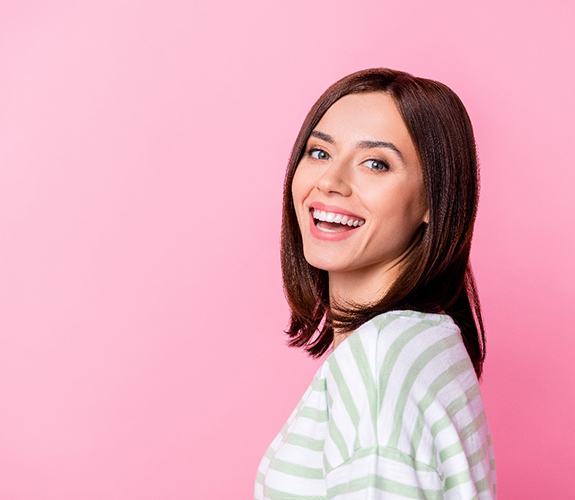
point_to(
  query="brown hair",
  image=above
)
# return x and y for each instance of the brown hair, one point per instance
(436, 276)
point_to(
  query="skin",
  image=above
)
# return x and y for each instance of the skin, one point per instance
(391, 200)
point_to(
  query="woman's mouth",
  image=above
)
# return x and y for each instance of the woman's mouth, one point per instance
(333, 225)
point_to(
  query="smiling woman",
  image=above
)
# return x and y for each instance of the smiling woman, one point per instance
(380, 199)
(368, 168)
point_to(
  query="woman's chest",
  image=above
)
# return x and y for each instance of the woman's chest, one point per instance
(293, 462)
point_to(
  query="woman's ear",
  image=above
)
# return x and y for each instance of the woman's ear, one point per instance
(426, 216)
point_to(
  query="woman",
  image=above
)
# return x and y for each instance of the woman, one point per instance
(380, 199)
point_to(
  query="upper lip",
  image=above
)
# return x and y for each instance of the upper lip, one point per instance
(332, 208)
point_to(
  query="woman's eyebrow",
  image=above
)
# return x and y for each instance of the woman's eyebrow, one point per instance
(361, 144)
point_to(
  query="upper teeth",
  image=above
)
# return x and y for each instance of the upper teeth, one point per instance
(333, 217)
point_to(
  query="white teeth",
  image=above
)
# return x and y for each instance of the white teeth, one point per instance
(337, 218)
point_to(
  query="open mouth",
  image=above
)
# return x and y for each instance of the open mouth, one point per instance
(339, 225)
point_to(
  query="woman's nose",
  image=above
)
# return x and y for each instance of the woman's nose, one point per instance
(334, 178)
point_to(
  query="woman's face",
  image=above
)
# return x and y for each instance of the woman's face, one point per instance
(381, 186)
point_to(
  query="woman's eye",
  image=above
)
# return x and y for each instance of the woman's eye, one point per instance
(311, 151)
(383, 165)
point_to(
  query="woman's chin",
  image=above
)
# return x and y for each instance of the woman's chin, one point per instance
(327, 264)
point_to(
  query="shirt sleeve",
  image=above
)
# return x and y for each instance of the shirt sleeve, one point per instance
(454, 415)
(406, 418)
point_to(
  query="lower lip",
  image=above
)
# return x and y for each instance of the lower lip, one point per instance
(318, 233)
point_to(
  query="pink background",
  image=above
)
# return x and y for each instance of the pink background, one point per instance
(142, 152)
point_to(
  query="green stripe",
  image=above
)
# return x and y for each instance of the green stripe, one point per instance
(390, 360)
(344, 391)
(476, 457)
(473, 426)
(417, 366)
(393, 353)
(326, 465)
(441, 381)
(296, 470)
(382, 321)
(305, 441)
(465, 477)
(260, 477)
(329, 401)
(292, 418)
(455, 479)
(318, 384)
(456, 448)
(455, 406)
(314, 414)
(416, 435)
(364, 368)
(337, 437)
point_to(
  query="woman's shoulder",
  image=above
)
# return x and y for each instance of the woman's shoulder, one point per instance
(396, 357)
(416, 342)
(377, 377)
(422, 357)
(400, 348)
(403, 386)
(396, 341)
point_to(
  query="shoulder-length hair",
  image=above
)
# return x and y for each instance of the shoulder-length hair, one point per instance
(436, 275)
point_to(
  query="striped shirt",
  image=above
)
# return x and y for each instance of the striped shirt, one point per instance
(393, 412)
